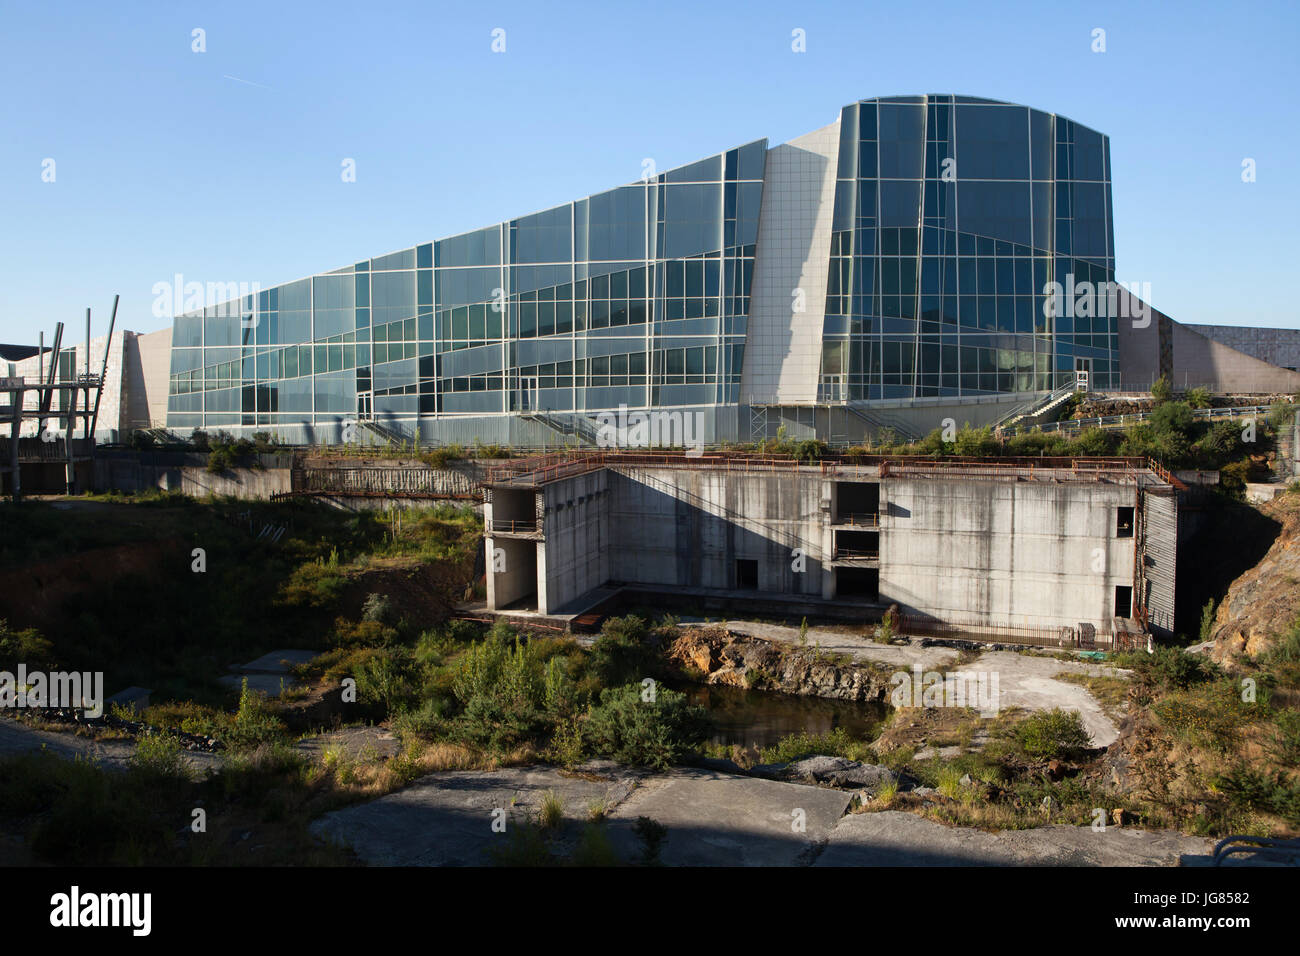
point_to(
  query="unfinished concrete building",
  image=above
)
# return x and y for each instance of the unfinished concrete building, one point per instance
(1021, 551)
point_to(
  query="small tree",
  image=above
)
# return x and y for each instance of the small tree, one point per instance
(1161, 390)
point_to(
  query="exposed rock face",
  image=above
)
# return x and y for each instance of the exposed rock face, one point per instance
(1263, 603)
(741, 660)
(841, 772)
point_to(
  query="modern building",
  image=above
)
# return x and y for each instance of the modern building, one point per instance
(1026, 549)
(889, 270)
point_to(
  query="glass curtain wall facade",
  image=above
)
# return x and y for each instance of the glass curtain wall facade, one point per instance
(952, 214)
(638, 296)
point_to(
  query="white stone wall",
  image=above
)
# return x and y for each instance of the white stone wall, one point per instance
(783, 349)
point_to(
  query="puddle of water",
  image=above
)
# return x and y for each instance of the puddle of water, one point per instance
(754, 718)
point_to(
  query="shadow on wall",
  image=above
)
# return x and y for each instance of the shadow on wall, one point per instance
(670, 535)
(1230, 539)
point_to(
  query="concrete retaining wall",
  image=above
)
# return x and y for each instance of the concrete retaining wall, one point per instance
(576, 558)
(676, 526)
(188, 474)
(1032, 554)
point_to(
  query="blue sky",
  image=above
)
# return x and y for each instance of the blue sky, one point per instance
(224, 166)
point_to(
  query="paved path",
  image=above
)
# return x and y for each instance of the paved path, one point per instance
(17, 737)
(712, 819)
(895, 838)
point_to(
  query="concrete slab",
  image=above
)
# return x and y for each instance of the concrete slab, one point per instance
(715, 819)
(269, 684)
(278, 662)
(1026, 680)
(839, 640)
(895, 838)
(445, 819)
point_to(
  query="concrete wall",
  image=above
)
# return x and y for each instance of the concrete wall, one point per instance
(1190, 358)
(688, 528)
(149, 364)
(187, 473)
(576, 558)
(1280, 347)
(512, 570)
(1002, 552)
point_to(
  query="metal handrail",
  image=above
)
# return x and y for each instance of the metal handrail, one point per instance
(513, 526)
(1267, 846)
(861, 519)
(855, 553)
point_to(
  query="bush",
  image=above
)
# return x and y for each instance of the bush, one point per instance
(623, 653)
(24, 647)
(254, 724)
(1053, 733)
(158, 760)
(1172, 417)
(1207, 621)
(1161, 390)
(379, 608)
(386, 682)
(653, 734)
(1198, 397)
(1171, 667)
(976, 442)
(837, 743)
(502, 690)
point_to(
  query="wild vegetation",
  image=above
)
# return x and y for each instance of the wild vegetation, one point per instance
(1171, 437)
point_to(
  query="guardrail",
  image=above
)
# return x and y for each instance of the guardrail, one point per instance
(855, 553)
(999, 634)
(1207, 414)
(1269, 849)
(514, 527)
(860, 519)
(544, 468)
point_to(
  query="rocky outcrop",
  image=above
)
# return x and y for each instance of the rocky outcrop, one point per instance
(1263, 603)
(741, 660)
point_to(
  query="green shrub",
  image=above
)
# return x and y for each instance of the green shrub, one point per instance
(652, 834)
(1171, 667)
(976, 442)
(657, 733)
(25, 647)
(502, 691)
(594, 848)
(1207, 621)
(379, 608)
(159, 760)
(254, 723)
(550, 813)
(836, 743)
(1172, 417)
(623, 652)
(386, 681)
(1053, 733)
(1198, 397)
(1161, 390)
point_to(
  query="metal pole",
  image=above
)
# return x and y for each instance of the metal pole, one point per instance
(103, 372)
(47, 394)
(72, 412)
(86, 379)
(15, 482)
